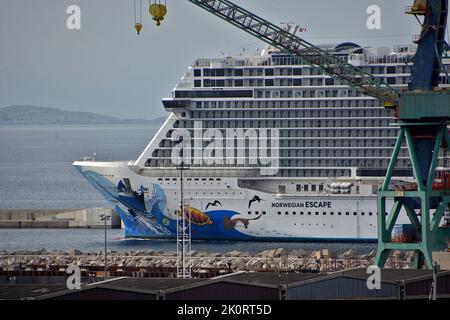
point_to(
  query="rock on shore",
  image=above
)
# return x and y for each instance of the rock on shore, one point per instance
(268, 260)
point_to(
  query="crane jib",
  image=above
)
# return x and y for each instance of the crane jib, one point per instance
(310, 54)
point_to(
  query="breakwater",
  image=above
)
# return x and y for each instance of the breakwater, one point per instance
(149, 263)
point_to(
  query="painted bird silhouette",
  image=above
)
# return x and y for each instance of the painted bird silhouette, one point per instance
(213, 204)
(255, 198)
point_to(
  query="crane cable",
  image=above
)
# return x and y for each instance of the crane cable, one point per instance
(137, 14)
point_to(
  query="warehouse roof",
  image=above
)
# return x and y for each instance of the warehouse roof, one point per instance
(268, 279)
(28, 291)
(387, 275)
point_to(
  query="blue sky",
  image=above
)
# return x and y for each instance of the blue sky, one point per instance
(106, 68)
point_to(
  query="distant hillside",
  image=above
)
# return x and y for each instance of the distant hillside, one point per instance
(45, 115)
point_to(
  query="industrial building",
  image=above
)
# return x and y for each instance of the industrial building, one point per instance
(349, 285)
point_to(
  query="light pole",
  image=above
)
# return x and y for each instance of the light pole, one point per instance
(105, 218)
(183, 233)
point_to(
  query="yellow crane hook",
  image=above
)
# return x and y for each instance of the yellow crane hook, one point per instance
(158, 11)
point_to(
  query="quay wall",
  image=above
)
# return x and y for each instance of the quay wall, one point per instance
(58, 218)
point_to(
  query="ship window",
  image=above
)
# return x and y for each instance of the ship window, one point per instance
(317, 213)
(197, 72)
(297, 71)
(297, 82)
(354, 213)
(324, 213)
(332, 213)
(263, 212)
(286, 213)
(320, 187)
(238, 72)
(256, 212)
(197, 83)
(294, 213)
(279, 212)
(391, 80)
(301, 213)
(362, 213)
(370, 213)
(218, 72)
(329, 81)
(268, 82)
(249, 212)
(305, 187)
(238, 83)
(313, 187)
(215, 94)
(299, 187)
(309, 213)
(269, 72)
(347, 213)
(391, 69)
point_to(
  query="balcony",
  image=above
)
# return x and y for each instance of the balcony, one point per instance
(175, 104)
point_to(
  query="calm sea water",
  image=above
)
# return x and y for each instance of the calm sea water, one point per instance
(92, 240)
(36, 172)
(36, 162)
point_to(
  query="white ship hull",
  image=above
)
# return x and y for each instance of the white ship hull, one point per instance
(149, 208)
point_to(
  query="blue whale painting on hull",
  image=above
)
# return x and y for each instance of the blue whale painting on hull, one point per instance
(144, 215)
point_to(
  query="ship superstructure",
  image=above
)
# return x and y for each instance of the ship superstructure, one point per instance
(276, 150)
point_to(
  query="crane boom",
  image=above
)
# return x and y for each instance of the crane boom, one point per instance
(310, 54)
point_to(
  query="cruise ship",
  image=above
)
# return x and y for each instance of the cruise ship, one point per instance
(264, 148)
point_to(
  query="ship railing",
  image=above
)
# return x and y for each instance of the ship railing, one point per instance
(388, 59)
(232, 62)
(201, 172)
(182, 85)
(411, 48)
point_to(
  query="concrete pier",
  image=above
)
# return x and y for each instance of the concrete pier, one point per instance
(58, 218)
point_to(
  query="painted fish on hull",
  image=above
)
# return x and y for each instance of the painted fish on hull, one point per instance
(195, 216)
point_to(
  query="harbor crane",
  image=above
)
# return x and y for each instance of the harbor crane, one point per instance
(422, 116)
